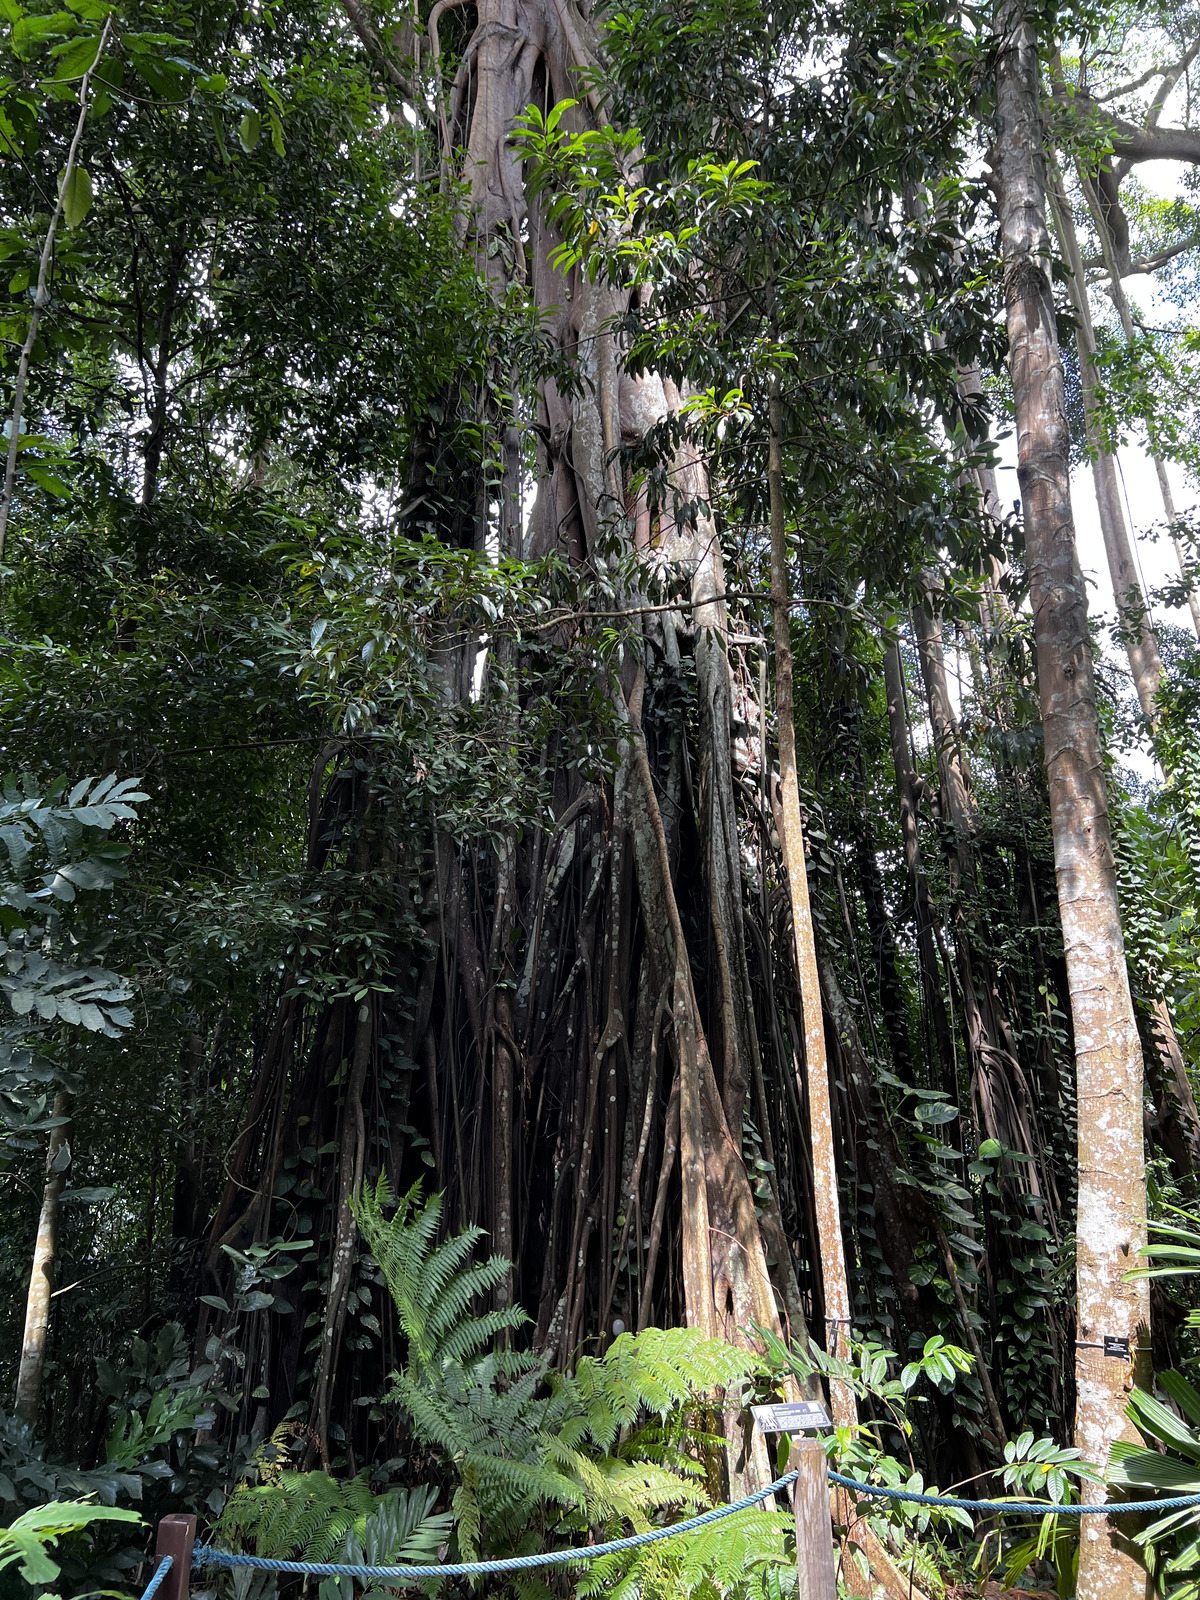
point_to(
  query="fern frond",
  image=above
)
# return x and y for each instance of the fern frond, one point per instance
(433, 1286)
(302, 1515)
(466, 1514)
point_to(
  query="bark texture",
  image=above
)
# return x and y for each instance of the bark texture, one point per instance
(1108, 1054)
(825, 1179)
(1133, 616)
(41, 1277)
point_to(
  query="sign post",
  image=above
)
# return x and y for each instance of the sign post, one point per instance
(816, 1571)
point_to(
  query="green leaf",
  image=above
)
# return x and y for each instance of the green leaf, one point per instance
(49, 481)
(77, 56)
(250, 130)
(936, 1115)
(76, 196)
(166, 79)
(24, 1541)
(30, 32)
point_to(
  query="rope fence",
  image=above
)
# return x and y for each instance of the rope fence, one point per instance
(1038, 1508)
(205, 1555)
(152, 1588)
(177, 1550)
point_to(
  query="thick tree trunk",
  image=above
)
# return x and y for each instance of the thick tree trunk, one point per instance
(1112, 1198)
(41, 1277)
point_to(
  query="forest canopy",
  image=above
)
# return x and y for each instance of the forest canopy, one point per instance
(577, 850)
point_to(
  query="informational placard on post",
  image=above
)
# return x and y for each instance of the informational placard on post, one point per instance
(792, 1416)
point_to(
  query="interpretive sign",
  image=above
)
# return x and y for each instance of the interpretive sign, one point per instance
(790, 1416)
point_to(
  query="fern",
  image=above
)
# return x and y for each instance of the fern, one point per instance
(302, 1516)
(750, 1553)
(542, 1458)
(658, 1371)
(403, 1529)
(433, 1286)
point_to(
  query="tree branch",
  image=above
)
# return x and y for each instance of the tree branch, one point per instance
(39, 296)
(374, 44)
(1133, 144)
(1149, 263)
(1130, 88)
(1170, 78)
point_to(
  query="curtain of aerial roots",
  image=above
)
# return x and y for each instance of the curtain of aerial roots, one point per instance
(581, 1059)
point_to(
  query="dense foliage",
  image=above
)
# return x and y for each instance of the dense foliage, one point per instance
(399, 406)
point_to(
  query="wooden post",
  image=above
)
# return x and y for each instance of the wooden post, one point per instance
(815, 1571)
(176, 1536)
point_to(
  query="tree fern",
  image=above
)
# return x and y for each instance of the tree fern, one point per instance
(657, 1371)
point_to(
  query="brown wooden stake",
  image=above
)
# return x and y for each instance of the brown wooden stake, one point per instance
(176, 1536)
(815, 1571)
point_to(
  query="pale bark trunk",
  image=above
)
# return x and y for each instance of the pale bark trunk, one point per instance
(1177, 1106)
(1121, 301)
(1133, 616)
(1112, 1198)
(825, 1185)
(41, 1278)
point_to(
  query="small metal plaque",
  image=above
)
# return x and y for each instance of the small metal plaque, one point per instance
(790, 1417)
(1116, 1347)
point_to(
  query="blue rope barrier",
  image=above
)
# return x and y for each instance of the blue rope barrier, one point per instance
(164, 1566)
(205, 1555)
(1040, 1508)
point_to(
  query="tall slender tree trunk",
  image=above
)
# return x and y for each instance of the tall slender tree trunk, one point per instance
(1108, 1054)
(924, 913)
(820, 1114)
(41, 1278)
(1121, 301)
(1133, 616)
(1177, 1106)
(351, 1159)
